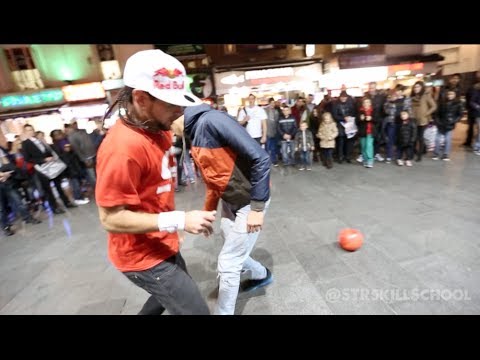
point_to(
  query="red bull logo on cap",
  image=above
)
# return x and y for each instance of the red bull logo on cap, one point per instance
(169, 79)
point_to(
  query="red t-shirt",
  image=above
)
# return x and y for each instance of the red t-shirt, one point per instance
(133, 170)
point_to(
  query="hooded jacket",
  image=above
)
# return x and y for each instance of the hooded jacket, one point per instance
(233, 165)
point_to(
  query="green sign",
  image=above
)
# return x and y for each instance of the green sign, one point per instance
(44, 97)
(181, 49)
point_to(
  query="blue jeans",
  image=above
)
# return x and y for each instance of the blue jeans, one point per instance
(288, 152)
(76, 188)
(407, 150)
(10, 196)
(448, 143)
(187, 163)
(170, 287)
(390, 130)
(477, 143)
(91, 177)
(272, 149)
(306, 158)
(234, 258)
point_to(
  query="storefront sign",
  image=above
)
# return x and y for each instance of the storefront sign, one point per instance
(268, 73)
(83, 112)
(200, 85)
(412, 68)
(112, 84)
(35, 99)
(181, 49)
(227, 80)
(82, 92)
(361, 61)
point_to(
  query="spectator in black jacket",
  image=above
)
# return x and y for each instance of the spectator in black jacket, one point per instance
(287, 127)
(38, 153)
(406, 136)
(473, 112)
(344, 110)
(74, 173)
(449, 113)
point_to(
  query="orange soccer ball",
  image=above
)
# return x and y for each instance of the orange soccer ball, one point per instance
(350, 239)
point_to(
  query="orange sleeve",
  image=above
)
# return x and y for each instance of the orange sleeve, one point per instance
(211, 200)
(118, 177)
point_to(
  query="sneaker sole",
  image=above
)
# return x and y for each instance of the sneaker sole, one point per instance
(268, 282)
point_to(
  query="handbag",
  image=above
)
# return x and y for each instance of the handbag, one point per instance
(51, 169)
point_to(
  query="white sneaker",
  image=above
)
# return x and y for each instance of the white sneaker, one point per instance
(379, 157)
(435, 158)
(408, 163)
(301, 168)
(81, 201)
(309, 169)
(477, 152)
(360, 158)
(400, 162)
(388, 160)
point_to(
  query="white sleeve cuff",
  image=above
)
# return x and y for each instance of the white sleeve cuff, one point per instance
(171, 221)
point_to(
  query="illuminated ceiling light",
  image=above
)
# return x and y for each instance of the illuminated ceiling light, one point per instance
(310, 50)
(403, 72)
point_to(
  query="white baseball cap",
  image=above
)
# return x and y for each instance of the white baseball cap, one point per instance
(161, 75)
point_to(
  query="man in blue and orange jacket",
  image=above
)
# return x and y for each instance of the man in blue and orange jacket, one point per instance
(235, 169)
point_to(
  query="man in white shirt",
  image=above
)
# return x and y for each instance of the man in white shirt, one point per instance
(255, 119)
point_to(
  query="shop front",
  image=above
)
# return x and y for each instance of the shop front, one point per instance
(281, 83)
(38, 108)
(355, 80)
(51, 109)
(86, 103)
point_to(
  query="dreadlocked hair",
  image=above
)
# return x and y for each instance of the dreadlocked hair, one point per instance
(123, 99)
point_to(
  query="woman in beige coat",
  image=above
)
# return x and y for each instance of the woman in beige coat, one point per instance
(327, 132)
(423, 106)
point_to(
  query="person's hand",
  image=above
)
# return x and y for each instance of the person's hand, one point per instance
(263, 140)
(286, 137)
(5, 175)
(198, 221)
(312, 148)
(246, 118)
(254, 221)
(48, 159)
(181, 238)
(362, 117)
(368, 118)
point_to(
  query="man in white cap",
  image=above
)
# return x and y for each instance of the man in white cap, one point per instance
(134, 192)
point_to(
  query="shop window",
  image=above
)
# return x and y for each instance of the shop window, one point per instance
(105, 52)
(110, 67)
(229, 49)
(24, 73)
(298, 47)
(343, 47)
(111, 70)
